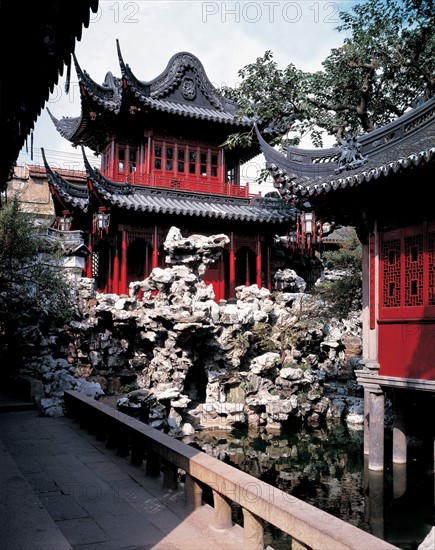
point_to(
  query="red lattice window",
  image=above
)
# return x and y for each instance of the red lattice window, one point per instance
(431, 268)
(407, 273)
(413, 264)
(391, 273)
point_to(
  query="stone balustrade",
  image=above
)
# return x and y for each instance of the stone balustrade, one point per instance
(308, 527)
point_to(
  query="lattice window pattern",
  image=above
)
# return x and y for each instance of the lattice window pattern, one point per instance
(391, 274)
(95, 263)
(413, 265)
(431, 268)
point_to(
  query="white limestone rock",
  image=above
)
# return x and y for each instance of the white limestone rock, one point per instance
(90, 389)
(429, 541)
(264, 362)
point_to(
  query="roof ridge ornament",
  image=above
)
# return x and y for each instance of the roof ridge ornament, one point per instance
(350, 155)
(174, 74)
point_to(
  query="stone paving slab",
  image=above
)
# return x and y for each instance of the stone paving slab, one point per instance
(24, 521)
(80, 495)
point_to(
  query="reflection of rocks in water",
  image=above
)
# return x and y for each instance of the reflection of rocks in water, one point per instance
(324, 467)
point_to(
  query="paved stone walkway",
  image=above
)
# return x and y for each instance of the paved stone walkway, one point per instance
(62, 489)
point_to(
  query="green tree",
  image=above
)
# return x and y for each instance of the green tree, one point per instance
(342, 296)
(34, 294)
(383, 67)
(271, 96)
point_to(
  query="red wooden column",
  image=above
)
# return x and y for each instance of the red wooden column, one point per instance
(372, 282)
(123, 282)
(109, 284)
(146, 262)
(269, 268)
(89, 258)
(155, 258)
(232, 267)
(221, 169)
(148, 154)
(248, 271)
(221, 279)
(258, 262)
(115, 284)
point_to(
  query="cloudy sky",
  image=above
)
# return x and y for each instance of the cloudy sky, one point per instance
(225, 36)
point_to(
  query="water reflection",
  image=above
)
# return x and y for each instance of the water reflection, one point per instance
(326, 467)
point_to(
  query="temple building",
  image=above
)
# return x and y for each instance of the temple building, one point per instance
(379, 184)
(162, 165)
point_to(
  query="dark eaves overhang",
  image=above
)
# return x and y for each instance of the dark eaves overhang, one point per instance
(71, 194)
(35, 52)
(102, 185)
(406, 142)
(68, 127)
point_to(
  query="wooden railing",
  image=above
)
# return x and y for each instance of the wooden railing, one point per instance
(161, 181)
(309, 527)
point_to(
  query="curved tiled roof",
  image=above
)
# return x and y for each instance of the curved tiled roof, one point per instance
(73, 194)
(153, 200)
(164, 93)
(67, 127)
(170, 203)
(171, 78)
(108, 95)
(406, 142)
(192, 111)
(372, 171)
(159, 94)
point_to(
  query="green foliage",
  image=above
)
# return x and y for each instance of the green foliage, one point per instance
(383, 66)
(261, 338)
(348, 256)
(293, 365)
(33, 290)
(269, 94)
(342, 296)
(127, 388)
(247, 387)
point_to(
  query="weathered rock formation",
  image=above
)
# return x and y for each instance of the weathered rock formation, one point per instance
(190, 363)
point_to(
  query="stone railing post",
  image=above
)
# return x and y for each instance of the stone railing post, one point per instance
(253, 531)
(192, 492)
(152, 465)
(222, 511)
(170, 476)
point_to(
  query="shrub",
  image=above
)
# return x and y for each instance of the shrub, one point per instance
(341, 297)
(33, 289)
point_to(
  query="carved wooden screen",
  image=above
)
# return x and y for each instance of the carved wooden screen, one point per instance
(406, 331)
(407, 273)
(431, 267)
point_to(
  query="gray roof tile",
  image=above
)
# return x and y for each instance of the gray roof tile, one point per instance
(408, 141)
(142, 199)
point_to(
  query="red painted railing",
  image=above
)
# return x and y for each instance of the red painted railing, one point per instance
(182, 184)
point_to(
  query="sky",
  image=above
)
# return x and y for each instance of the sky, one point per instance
(224, 35)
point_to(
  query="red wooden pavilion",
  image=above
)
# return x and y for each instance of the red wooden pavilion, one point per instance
(162, 165)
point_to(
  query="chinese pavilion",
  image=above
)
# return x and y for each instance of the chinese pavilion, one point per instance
(162, 165)
(379, 184)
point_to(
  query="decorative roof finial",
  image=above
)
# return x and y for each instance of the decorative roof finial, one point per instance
(351, 156)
